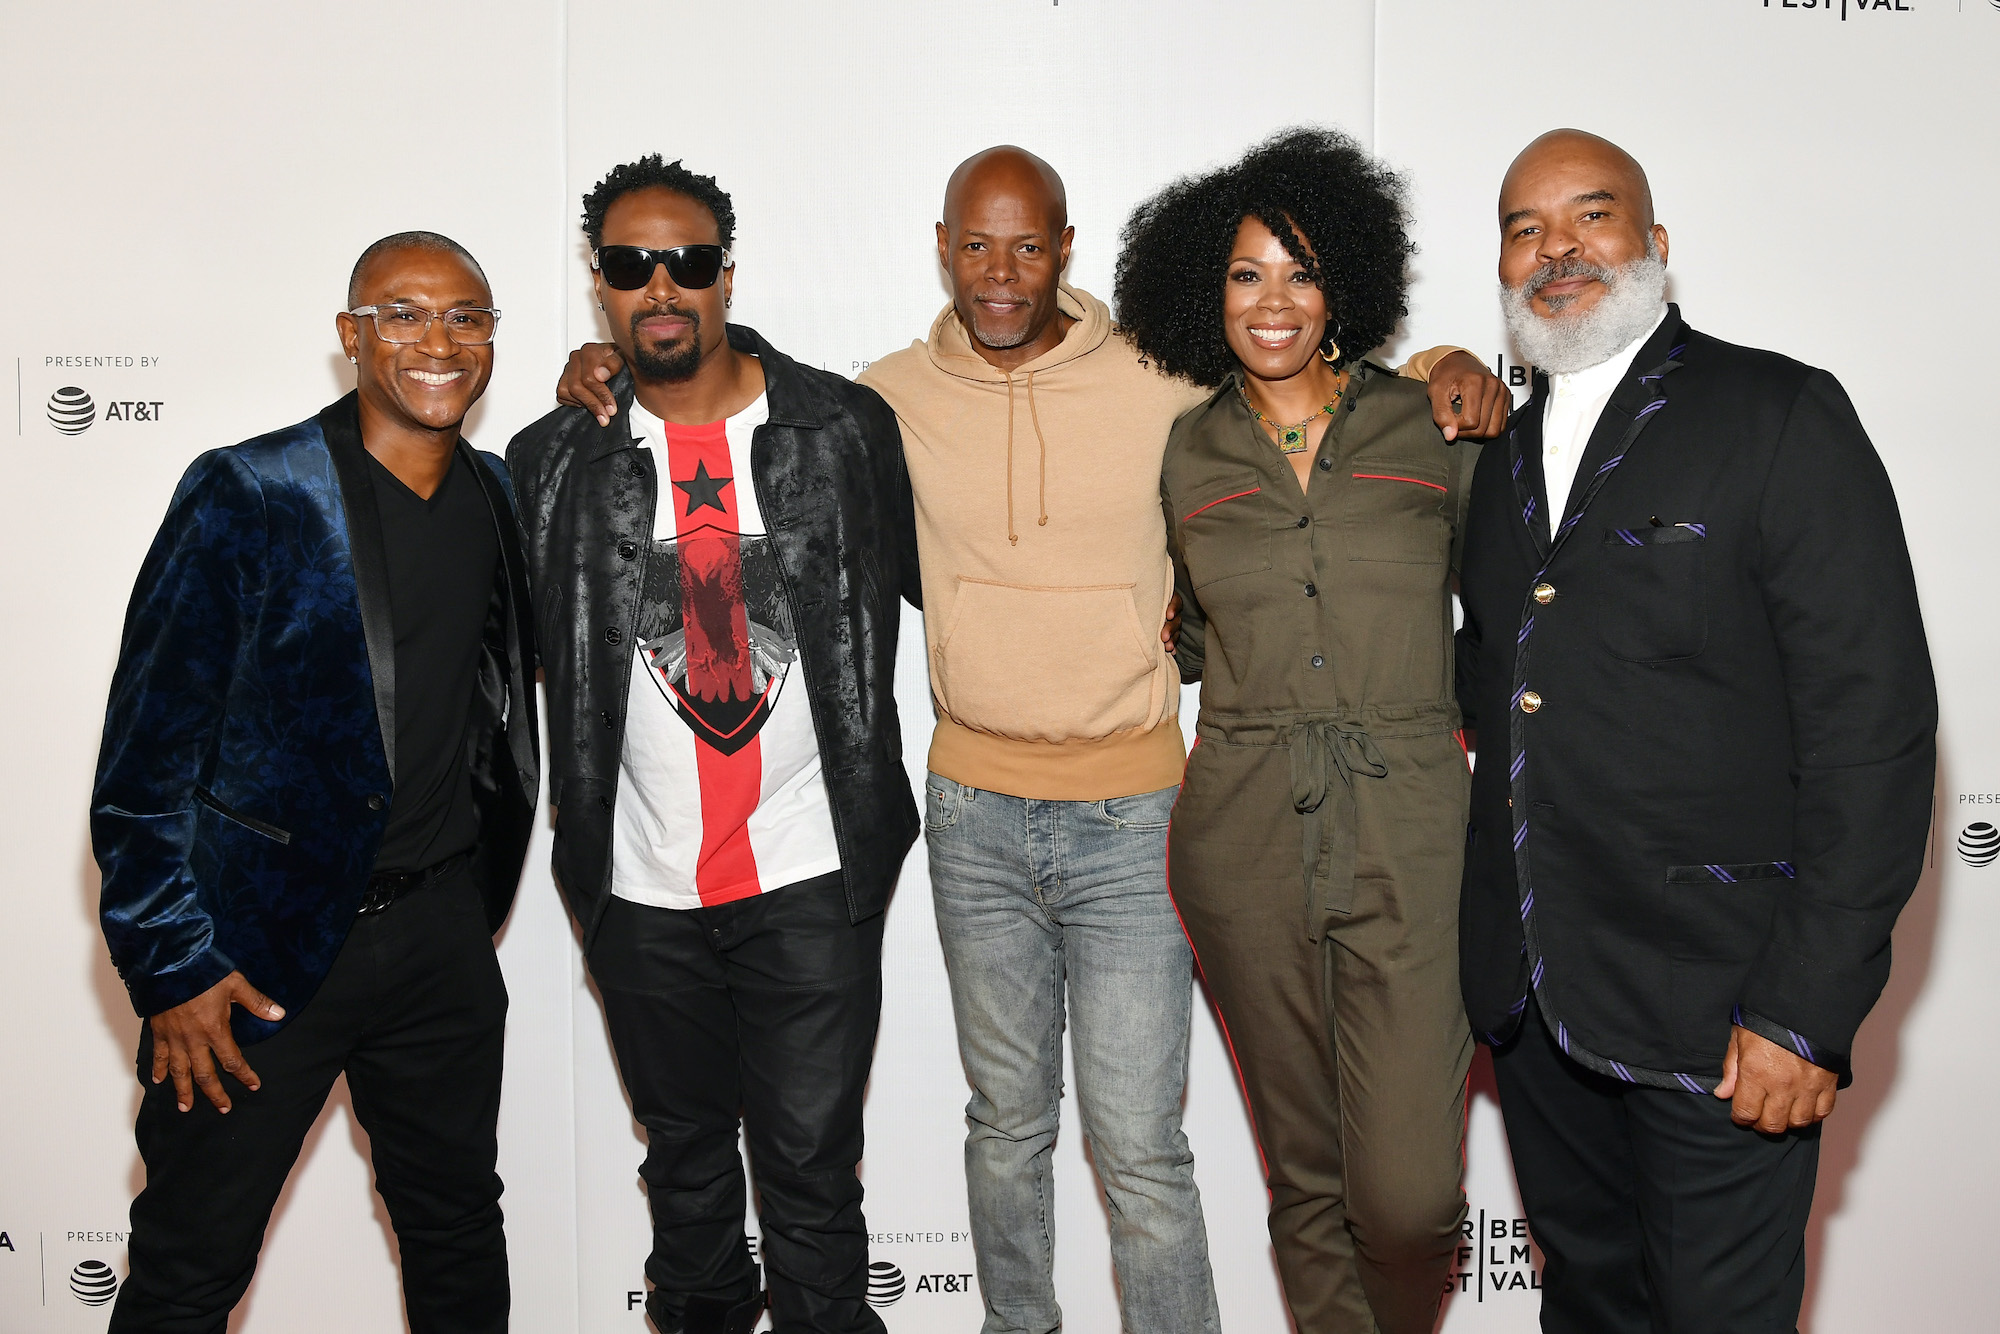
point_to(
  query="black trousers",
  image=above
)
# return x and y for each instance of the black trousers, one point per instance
(760, 1012)
(413, 1012)
(1656, 1213)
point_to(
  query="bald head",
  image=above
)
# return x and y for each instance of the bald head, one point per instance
(1573, 152)
(1574, 210)
(1007, 172)
(1005, 242)
(1583, 263)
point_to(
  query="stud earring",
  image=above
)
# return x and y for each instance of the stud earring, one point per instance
(353, 362)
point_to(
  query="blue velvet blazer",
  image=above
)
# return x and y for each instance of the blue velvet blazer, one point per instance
(245, 775)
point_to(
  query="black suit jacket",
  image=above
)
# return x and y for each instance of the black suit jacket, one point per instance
(1706, 721)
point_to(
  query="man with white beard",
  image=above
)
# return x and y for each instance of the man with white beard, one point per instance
(1693, 646)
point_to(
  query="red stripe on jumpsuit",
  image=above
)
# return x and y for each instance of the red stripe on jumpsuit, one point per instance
(1256, 1135)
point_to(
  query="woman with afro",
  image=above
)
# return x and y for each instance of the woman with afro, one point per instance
(1312, 508)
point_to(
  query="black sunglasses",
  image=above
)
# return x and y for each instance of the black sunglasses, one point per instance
(630, 267)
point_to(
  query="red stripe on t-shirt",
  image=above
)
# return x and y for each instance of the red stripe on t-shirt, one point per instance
(717, 626)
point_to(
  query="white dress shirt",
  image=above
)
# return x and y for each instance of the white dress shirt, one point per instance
(1576, 401)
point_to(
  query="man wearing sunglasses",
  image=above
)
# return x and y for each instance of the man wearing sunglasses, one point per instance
(313, 800)
(716, 569)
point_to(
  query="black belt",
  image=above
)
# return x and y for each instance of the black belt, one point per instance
(385, 887)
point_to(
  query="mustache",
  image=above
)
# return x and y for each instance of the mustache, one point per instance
(668, 309)
(1562, 270)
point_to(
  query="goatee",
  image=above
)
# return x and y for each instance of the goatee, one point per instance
(677, 361)
(1559, 344)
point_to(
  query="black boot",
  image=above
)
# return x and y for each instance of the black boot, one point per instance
(709, 1315)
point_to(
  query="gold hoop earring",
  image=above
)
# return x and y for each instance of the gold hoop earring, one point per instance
(1329, 352)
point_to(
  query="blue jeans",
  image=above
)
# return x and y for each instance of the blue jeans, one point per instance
(1034, 897)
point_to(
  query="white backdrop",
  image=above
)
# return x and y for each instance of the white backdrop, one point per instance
(1826, 175)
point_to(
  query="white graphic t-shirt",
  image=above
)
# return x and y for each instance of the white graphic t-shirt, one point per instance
(720, 795)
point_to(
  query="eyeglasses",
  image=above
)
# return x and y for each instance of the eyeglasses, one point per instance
(630, 267)
(468, 326)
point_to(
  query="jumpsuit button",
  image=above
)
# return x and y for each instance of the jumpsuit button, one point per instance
(1530, 702)
(1318, 661)
(1305, 520)
(1545, 593)
(612, 635)
(628, 550)
(1326, 465)
(1312, 590)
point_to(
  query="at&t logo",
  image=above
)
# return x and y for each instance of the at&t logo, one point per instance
(885, 1284)
(71, 411)
(1979, 842)
(93, 1282)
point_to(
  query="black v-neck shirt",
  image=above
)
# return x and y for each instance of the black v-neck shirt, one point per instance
(442, 556)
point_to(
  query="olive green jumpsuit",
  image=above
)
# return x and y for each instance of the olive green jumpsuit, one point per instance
(1315, 851)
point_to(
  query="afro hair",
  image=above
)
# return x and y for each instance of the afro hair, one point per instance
(1338, 212)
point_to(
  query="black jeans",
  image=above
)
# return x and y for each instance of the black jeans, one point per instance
(1656, 1213)
(762, 1012)
(413, 1011)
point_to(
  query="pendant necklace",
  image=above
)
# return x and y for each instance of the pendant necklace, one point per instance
(1291, 439)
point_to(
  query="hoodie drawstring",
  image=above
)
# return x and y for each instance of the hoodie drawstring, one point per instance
(1042, 492)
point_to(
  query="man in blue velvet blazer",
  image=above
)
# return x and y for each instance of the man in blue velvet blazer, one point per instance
(312, 804)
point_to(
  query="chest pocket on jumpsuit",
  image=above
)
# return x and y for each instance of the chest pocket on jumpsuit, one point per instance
(1226, 530)
(1393, 510)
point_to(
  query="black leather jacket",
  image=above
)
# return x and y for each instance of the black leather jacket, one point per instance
(830, 482)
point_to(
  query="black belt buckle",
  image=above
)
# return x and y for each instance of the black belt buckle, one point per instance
(385, 887)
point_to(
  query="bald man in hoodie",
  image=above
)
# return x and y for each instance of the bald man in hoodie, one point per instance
(1034, 436)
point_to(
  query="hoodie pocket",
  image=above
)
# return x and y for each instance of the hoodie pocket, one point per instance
(1047, 664)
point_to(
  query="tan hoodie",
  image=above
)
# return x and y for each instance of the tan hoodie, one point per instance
(1044, 557)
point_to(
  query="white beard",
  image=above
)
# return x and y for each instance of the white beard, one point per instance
(1634, 294)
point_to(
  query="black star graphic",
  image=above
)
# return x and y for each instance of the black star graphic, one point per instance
(704, 491)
